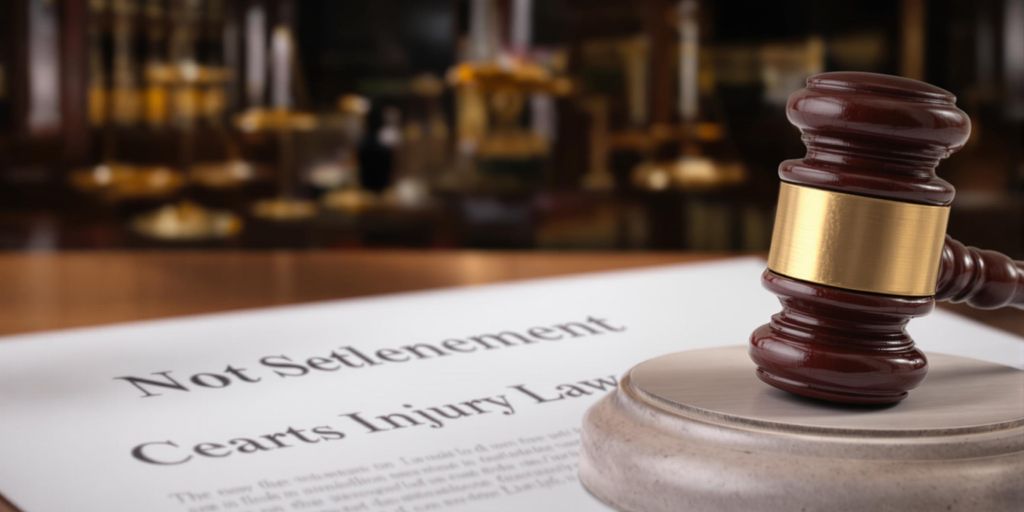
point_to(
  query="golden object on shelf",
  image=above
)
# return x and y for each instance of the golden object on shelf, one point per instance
(709, 132)
(125, 104)
(519, 76)
(262, 120)
(115, 181)
(186, 73)
(186, 102)
(100, 177)
(692, 173)
(507, 139)
(697, 131)
(187, 221)
(470, 116)
(193, 89)
(221, 175)
(349, 200)
(214, 102)
(353, 104)
(647, 140)
(512, 144)
(97, 108)
(157, 109)
(426, 85)
(284, 209)
(598, 176)
(820, 237)
(631, 140)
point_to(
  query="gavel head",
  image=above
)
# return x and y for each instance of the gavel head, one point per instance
(858, 236)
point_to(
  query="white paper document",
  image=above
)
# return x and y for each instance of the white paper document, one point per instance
(463, 399)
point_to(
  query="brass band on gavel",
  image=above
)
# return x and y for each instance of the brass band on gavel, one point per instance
(857, 243)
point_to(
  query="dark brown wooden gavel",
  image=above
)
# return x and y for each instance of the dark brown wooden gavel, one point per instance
(983, 279)
(859, 245)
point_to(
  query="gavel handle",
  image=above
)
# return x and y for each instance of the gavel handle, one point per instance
(981, 278)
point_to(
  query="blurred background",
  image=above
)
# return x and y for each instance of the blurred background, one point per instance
(560, 124)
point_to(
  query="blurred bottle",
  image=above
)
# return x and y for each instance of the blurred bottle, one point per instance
(96, 96)
(336, 160)
(377, 155)
(124, 93)
(138, 101)
(422, 155)
(694, 154)
(504, 113)
(217, 162)
(157, 69)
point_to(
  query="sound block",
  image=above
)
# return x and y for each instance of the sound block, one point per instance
(698, 431)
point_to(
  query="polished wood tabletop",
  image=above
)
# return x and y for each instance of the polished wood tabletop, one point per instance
(60, 290)
(43, 291)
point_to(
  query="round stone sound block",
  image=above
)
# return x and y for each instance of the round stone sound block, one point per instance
(698, 431)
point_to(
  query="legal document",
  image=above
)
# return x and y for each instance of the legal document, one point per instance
(459, 399)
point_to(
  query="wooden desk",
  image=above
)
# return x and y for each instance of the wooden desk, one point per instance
(53, 291)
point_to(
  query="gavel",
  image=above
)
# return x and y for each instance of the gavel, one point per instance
(859, 245)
